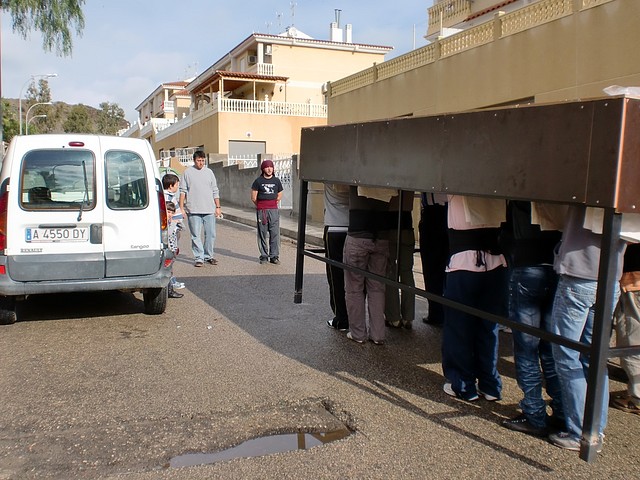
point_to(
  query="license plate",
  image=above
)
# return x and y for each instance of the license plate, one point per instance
(57, 234)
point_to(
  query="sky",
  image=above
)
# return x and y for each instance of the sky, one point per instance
(129, 48)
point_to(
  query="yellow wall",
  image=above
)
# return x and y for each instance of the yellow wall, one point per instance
(281, 133)
(204, 132)
(573, 57)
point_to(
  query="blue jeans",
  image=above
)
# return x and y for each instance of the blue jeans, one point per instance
(470, 343)
(573, 315)
(196, 223)
(531, 292)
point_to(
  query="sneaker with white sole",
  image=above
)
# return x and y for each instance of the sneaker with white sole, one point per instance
(178, 285)
(448, 389)
(566, 441)
(350, 337)
(489, 398)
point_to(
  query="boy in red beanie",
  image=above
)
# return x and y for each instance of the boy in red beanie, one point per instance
(266, 192)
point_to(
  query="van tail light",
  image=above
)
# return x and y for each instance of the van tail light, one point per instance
(4, 202)
(164, 219)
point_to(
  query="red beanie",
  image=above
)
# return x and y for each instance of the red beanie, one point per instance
(265, 164)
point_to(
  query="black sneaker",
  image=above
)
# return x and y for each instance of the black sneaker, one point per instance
(211, 261)
(434, 322)
(174, 294)
(521, 424)
(334, 323)
(275, 260)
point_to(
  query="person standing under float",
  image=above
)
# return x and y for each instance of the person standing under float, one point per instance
(336, 224)
(400, 305)
(532, 285)
(476, 276)
(367, 248)
(577, 263)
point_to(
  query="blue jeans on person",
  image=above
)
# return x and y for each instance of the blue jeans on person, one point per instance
(531, 293)
(470, 343)
(198, 222)
(573, 315)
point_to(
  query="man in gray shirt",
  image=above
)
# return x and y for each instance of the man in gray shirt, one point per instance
(200, 203)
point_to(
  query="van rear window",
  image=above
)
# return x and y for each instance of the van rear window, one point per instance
(58, 180)
(126, 181)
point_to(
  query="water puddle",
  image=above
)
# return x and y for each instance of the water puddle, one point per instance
(258, 447)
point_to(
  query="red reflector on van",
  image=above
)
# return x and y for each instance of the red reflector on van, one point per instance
(76, 144)
(3, 270)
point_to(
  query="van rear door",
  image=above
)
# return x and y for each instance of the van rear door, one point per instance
(131, 229)
(55, 214)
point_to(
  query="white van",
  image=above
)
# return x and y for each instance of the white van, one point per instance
(81, 213)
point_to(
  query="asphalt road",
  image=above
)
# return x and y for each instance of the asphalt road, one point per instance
(93, 388)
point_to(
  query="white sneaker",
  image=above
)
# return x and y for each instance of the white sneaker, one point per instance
(178, 285)
(487, 397)
(351, 338)
(448, 390)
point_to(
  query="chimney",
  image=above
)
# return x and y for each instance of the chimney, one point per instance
(348, 33)
(335, 33)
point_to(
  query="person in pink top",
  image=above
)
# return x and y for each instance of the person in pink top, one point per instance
(476, 276)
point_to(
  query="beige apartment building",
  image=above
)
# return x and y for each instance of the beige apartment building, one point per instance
(487, 53)
(167, 103)
(256, 98)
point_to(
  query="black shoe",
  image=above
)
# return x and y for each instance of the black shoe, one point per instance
(342, 327)
(174, 294)
(557, 424)
(211, 261)
(522, 425)
(432, 321)
(275, 261)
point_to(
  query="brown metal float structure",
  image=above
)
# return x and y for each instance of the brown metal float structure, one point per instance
(579, 152)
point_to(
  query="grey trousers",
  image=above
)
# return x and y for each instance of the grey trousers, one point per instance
(400, 306)
(627, 323)
(268, 221)
(370, 255)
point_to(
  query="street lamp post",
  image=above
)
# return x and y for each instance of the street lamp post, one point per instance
(32, 78)
(31, 120)
(26, 117)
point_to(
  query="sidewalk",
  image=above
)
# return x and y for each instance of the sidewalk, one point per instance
(288, 223)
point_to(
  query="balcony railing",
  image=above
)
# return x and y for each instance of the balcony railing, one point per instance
(167, 106)
(263, 68)
(234, 105)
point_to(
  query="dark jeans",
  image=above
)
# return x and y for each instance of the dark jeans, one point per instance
(531, 292)
(469, 343)
(334, 246)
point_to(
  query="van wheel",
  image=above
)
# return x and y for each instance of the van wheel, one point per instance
(8, 311)
(155, 300)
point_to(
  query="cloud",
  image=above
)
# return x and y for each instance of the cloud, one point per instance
(128, 49)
